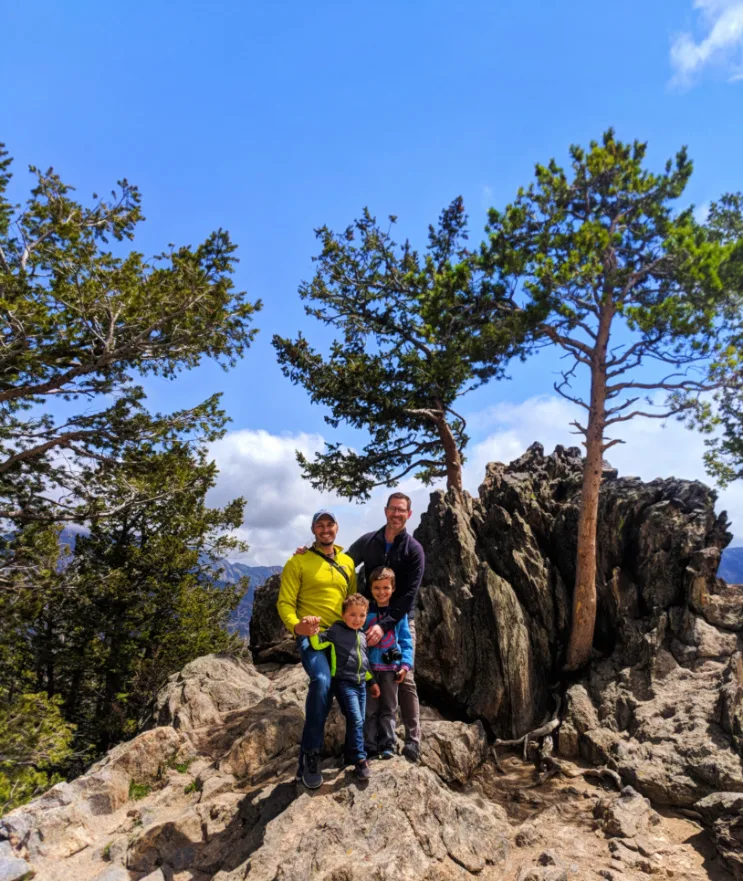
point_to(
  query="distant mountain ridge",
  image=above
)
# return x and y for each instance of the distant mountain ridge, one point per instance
(232, 573)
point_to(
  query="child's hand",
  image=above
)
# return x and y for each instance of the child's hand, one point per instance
(308, 626)
(374, 690)
(401, 674)
(301, 550)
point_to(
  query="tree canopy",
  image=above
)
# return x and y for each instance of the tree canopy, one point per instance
(416, 332)
(80, 320)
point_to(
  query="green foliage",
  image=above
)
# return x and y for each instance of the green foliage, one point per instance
(89, 637)
(602, 251)
(35, 742)
(724, 456)
(80, 321)
(194, 786)
(135, 602)
(417, 331)
(138, 791)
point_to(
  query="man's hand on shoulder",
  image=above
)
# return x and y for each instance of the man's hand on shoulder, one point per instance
(374, 635)
(308, 626)
(300, 550)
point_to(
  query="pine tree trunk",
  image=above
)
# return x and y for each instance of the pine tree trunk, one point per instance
(584, 594)
(451, 457)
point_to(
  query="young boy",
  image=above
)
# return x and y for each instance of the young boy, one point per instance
(349, 668)
(390, 662)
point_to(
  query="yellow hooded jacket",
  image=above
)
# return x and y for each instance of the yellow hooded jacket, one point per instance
(311, 585)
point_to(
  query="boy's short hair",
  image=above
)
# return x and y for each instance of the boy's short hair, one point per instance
(381, 573)
(355, 599)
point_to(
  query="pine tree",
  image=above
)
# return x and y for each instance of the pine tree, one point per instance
(632, 291)
(416, 332)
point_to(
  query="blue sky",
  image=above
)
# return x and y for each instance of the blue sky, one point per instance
(270, 119)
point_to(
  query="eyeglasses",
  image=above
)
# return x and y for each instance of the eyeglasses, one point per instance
(396, 510)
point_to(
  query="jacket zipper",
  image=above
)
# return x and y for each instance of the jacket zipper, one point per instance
(358, 652)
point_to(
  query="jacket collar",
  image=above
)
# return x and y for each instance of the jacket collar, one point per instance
(398, 537)
(337, 548)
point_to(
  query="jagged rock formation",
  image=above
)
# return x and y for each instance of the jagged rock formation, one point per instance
(663, 702)
(209, 794)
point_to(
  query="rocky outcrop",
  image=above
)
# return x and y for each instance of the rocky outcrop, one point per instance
(219, 802)
(269, 640)
(495, 601)
(662, 702)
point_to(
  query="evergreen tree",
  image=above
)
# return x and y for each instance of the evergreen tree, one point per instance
(417, 331)
(633, 295)
(79, 322)
(134, 602)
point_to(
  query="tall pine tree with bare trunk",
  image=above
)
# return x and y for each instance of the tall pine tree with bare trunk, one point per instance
(632, 291)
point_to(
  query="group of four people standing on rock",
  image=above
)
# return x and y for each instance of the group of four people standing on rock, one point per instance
(319, 603)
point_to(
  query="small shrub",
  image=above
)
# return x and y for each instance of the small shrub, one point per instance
(106, 855)
(138, 790)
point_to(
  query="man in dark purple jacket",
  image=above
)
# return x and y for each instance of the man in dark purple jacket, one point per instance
(394, 547)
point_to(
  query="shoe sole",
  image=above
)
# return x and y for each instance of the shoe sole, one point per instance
(308, 786)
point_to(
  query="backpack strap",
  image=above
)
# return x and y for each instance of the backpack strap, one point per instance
(332, 562)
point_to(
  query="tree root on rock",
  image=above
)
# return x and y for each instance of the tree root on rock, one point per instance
(543, 731)
(546, 765)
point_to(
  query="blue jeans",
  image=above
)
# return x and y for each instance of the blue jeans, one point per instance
(352, 699)
(319, 695)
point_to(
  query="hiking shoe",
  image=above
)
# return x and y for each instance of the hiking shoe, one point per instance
(411, 751)
(311, 776)
(387, 754)
(363, 771)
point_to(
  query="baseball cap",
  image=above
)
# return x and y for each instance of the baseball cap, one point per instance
(323, 512)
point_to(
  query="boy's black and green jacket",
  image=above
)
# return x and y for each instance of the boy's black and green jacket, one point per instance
(348, 658)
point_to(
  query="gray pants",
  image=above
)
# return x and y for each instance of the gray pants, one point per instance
(408, 698)
(381, 713)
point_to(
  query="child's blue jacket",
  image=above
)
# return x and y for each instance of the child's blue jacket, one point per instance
(399, 637)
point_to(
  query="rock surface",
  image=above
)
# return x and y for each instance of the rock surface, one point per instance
(219, 803)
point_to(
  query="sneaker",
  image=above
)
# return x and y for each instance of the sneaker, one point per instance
(411, 751)
(387, 754)
(311, 776)
(363, 771)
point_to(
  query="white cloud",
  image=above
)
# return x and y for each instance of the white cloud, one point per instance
(721, 45)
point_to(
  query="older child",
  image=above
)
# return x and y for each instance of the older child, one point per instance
(390, 662)
(350, 671)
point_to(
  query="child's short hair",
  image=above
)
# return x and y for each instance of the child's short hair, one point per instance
(355, 599)
(382, 573)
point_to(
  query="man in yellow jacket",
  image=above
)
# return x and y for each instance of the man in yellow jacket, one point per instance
(313, 587)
